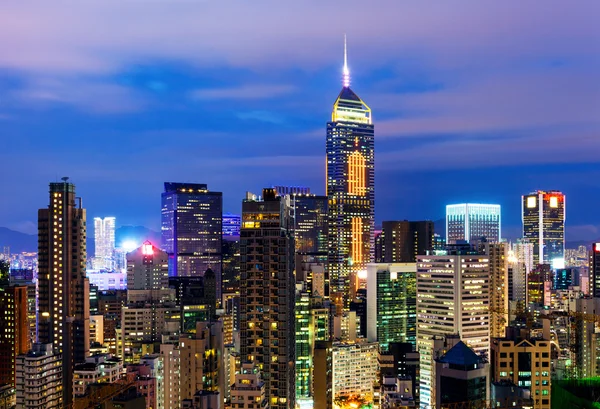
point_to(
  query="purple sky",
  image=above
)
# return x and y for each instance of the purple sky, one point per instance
(472, 101)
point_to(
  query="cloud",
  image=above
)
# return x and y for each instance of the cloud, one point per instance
(89, 96)
(262, 116)
(242, 92)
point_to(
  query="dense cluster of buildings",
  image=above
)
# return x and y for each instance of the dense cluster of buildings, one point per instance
(299, 302)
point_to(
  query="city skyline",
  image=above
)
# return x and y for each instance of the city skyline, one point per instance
(482, 90)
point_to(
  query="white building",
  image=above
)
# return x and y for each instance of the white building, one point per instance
(156, 364)
(453, 293)
(39, 379)
(108, 280)
(171, 365)
(248, 391)
(100, 368)
(472, 221)
(104, 243)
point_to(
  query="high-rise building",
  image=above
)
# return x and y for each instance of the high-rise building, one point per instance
(14, 330)
(309, 214)
(391, 303)
(520, 264)
(544, 225)
(192, 229)
(345, 372)
(453, 294)
(525, 362)
(471, 222)
(292, 190)
(147, 268)
(461, 376)
(40, 379)
(64, 302)
(350, 187)
(231, 226)
(498, 264)
(267, 289)
(104, 243)
(402, 241)
(248, 391)
(594, 271)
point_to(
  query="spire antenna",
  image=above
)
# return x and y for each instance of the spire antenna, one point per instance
(346, 71)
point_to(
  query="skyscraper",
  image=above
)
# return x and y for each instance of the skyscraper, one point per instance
(473, 221)
(391, 303)
(544, 224)
(267, 289)
(350, 186)
(192, 230)
(104, 242)
(64, 302)
(14, 330)
(401, 241)
(453, 293)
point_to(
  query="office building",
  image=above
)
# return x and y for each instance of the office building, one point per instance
(402, 241)
(40, 379)
(498, 268)
(344, 374)
(350, 187)
(453, 292)
(525, 362)
(64, 300)
(543, 216)
(461, 377)
(104, 243)
(267, 289)
(14, 330)
(471, 222)
(192, 229)
(309, 213)
(231, 226)
(291, 190)
(520, 264)
(391, 303)
(594, 271)
(147, 268)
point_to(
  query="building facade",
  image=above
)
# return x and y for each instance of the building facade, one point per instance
(471, 222)
(350, 188)
(104, 243)
(147, 268)
(391, 303)
(453, 294)
(40, 378)
(267, 289)
(64, 302)
(192, 229)
(14, 330)
(543, 215)
(594, 271)
(402, 241)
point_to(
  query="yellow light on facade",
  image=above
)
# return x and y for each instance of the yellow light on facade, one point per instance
(357, 172)
(531, 202)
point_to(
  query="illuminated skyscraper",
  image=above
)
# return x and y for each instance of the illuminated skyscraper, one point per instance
(350, 187)
(595, 271)
(472, 222)
(147, 268)
(64, 299)
(192, 230)
(267, 289)
(14, 330)
(544, 225)
(104, 242)
(401, 241)
(453, 295)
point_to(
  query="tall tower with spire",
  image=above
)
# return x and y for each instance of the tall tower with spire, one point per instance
(350, 188)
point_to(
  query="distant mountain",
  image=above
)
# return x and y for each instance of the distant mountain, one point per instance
(17, 241)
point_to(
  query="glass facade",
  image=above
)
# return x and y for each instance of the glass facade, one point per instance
(544, 225)
(192, 230)
(350, 189)
(473, 221)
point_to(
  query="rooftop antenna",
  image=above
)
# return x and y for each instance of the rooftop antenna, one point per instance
(346, 71)
(64, 179)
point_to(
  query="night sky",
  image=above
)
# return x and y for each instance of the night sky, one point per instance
(472, 101)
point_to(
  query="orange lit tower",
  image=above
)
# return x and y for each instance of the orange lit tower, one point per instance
(350, 188)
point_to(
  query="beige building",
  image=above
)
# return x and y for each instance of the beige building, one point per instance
(524, 361)
(39, 379)
(248, 391)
